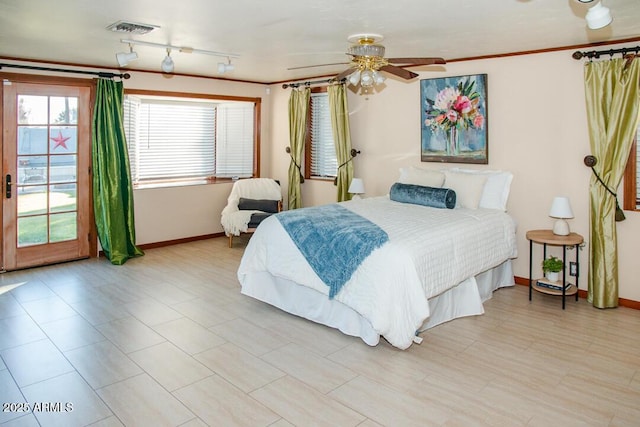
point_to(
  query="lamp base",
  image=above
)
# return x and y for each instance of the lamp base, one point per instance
(561, 228)
(356, 197)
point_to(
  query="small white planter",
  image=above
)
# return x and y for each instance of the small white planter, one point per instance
(553, 276)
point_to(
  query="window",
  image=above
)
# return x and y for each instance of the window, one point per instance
(320, 151)
(631, 177)
(176, 138)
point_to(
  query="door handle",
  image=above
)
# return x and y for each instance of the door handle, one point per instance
(8, 186)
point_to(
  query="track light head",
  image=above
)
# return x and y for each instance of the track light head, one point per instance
(598, 16)
(223, 68)
(167, 63)
(124, 58)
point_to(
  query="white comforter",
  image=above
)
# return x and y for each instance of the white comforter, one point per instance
(429, 251)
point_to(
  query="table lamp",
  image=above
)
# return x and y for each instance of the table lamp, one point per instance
(561, 209)
(356, 188)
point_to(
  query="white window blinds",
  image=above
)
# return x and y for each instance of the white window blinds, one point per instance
(323, 151)
(172, 139)
(235, 136)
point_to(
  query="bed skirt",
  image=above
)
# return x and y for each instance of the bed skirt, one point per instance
(462, 300)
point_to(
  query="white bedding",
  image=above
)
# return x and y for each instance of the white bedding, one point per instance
(429, 252)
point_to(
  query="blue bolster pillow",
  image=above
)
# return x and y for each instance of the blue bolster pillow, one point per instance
(426, 196)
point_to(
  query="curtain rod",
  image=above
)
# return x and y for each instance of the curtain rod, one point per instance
(309, 83)
(63, 70)
(596, 53)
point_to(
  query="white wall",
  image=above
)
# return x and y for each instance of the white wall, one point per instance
(537, 129)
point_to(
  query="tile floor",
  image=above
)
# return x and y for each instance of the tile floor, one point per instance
(168, 340)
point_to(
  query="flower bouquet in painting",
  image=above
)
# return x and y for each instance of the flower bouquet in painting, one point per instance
(454, 119)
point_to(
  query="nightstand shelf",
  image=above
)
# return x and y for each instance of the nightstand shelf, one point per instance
(546, 237)
(569, 289)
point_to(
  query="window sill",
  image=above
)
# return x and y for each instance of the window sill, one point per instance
(171, 184)
(321, 178)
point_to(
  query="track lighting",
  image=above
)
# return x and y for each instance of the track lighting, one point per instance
(167, 63)
(124, 58)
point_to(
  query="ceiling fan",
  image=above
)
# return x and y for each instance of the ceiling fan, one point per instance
(367, 61)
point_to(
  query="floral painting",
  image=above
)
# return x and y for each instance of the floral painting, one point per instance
(454, 119)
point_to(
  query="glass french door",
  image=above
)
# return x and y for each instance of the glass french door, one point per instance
(46, 149)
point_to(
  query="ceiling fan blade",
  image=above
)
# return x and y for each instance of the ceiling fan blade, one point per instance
(416, 61)
(345, 73)
(319, 65)
(400, 72)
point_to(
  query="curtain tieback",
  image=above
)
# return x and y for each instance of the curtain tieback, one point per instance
(591, 161)
(353, 153)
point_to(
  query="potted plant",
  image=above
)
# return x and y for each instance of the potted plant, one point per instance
(551, 267)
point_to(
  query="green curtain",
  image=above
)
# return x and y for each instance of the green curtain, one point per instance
(298, 107)
(612, 98)
(112, 190)
(341, 137)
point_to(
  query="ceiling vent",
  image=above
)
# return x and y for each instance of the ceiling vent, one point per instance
(131, 27)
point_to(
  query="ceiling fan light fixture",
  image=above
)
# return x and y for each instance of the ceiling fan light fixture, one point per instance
(365, 45)
(378, 77)
(366, 78)
(365, 49)
(167, 63)
(354, 78)
(598, 16)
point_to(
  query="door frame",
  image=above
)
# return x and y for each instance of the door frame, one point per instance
(53, 80)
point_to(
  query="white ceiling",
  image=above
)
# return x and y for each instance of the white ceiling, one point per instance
(271, 36)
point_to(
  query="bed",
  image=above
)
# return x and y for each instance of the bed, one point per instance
(437, 265)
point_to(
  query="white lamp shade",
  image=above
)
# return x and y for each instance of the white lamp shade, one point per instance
(378, 78)
(366, 78)
(354, 78)
(561, 208)
(598, 16)
(357, 186)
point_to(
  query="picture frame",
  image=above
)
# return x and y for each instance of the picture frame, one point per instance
(454, 119)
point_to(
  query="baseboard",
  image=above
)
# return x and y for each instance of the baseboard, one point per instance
(179, 241)
(622, 302)
(173, 242)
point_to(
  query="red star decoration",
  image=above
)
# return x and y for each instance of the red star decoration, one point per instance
(60, 140)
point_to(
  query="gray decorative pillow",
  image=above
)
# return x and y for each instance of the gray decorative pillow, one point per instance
(270, 206)
(426, 196)
(257, 218)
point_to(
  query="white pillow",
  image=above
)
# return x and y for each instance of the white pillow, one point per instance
(468, 188)
(496, 190)
(419, 176)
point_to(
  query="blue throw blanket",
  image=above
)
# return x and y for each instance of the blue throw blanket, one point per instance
(333, 239)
